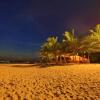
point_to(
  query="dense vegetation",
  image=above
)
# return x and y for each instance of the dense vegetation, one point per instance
(69, 43)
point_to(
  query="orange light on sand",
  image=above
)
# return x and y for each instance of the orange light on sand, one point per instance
(23, 81)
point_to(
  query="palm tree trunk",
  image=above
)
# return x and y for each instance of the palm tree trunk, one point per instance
(88, 57)
(64, 59)
(83, 57)
(60, 59)
(57, 59)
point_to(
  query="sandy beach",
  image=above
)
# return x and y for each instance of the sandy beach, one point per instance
(70, 82)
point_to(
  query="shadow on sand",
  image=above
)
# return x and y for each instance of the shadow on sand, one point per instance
(53, 65)
(39, 65)
(24, 65)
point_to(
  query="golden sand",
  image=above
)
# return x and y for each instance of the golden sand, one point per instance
(70, 82)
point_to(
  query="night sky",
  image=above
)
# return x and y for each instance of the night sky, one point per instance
(25, 24)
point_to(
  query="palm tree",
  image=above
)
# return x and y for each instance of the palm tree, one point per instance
(49, 49)
(70, 43)
(91, 43)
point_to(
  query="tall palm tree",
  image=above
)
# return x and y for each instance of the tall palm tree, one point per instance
(70, 43)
